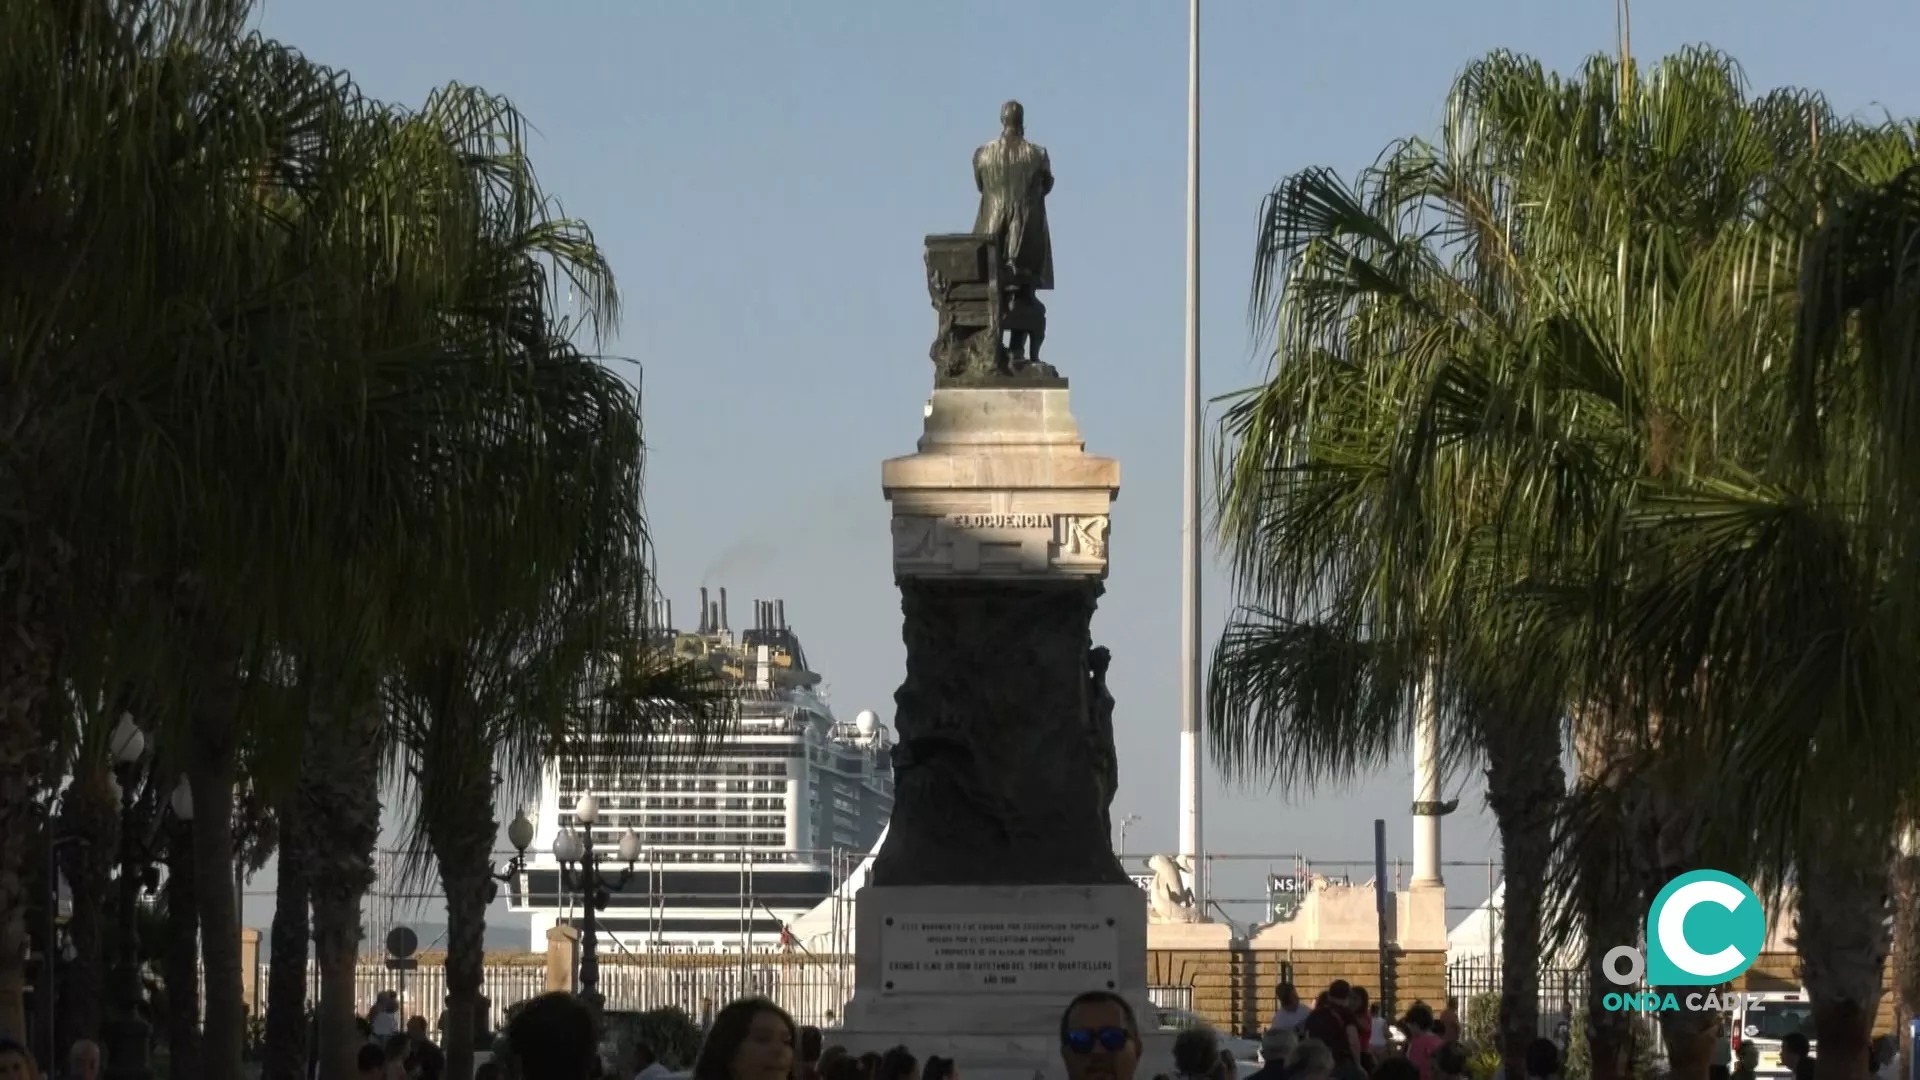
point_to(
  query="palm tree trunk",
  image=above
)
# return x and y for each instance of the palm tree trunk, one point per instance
(182, 961)
(1606, 904)
(1689, 1035)
(26, 676)
(340, 799)
(463, 841)
(210, 775)
(287, 1027)
(1665, 818)
(89, 812)
(1609, 917)
(1525, 784)
(1906, 942)
(1842, 933)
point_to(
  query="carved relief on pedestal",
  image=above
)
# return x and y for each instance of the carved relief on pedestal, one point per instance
(999, 545)
(914, 537)
(1084, 536)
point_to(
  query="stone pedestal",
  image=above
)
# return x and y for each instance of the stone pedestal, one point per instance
(996, 896)
(999, 549)
(981, 974)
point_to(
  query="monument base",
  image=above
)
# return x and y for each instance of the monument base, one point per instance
(980, 974)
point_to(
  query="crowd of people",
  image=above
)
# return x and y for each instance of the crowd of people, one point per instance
(1338, 1038)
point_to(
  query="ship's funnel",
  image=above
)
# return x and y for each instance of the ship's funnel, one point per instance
(713, 618)
(780, 614)
(669, 613)
(724, 628)
(704, 628)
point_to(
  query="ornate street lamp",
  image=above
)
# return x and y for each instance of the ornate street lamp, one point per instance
(580, 865)
(520, 835)
(126, 1032)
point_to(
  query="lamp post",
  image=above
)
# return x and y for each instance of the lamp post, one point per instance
(520, 835)
(126, 1032)
(55, 941)
(595, 890)
(1125, 823)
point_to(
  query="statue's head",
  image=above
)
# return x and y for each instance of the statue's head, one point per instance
(1098, 659)
(1013, 118)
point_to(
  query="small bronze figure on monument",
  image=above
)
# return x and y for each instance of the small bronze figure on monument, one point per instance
(985, 284)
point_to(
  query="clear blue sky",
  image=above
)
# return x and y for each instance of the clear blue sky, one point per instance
(761, 174)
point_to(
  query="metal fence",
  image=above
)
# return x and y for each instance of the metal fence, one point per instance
(813, 989)
(1172, 997)
(1562, 994)
(423, 991)
(1562, 1000)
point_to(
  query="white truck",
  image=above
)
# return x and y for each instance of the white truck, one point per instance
(1767, 1020)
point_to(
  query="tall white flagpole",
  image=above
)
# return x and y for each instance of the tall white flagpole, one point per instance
(1191, 687)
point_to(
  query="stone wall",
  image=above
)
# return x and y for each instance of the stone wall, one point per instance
(1234, 988)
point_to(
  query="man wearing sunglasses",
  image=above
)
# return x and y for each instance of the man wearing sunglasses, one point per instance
(1099, 1037)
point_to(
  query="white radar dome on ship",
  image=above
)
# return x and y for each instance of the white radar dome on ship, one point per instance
(867, 721)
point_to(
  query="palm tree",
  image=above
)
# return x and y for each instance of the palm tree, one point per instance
(477, 724)
(1496, 411)
(1845, 519)
(137, 299)
(1356, 576)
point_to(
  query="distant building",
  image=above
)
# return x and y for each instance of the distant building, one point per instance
(742, 842)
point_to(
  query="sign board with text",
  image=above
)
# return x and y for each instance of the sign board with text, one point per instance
(1060, 955)
(1284, 893)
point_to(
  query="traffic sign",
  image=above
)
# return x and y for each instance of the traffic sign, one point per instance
(402, 942)
(398, 963)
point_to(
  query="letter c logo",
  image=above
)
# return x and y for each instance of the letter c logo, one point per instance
(1720, 910)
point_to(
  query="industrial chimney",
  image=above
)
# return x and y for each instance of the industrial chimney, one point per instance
(704, 627)
(724, 628)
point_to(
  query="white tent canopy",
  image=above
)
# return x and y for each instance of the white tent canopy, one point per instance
(814, 931)
(1477, 937)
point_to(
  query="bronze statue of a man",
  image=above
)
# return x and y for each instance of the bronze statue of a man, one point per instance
(1014, 177)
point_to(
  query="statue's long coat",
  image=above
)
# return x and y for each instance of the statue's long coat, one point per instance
(1014, 177)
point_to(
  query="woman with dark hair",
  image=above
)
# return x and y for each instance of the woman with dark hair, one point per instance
(751, 1039)
(898, 1064)
(869, 1066)
(939, 1068)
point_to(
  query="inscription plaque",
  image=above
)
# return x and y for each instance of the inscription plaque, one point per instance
(1000, 521)
(1018, 954)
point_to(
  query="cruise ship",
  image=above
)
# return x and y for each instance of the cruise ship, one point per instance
(737, 845)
